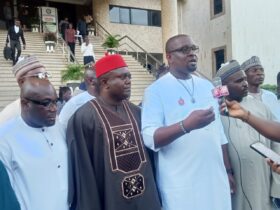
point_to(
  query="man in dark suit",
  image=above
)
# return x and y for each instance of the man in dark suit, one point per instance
(14, 33)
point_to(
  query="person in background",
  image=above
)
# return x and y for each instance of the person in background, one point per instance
(33, 149)
(71, 40)
(63, 25)
(77, 101)
(7, 11)
(30, 66)
(251, 193)
(14, 34)
(255, 77)
(87, 51)
(64, 96)
(8, 199)
(181, 123)
(82, 28)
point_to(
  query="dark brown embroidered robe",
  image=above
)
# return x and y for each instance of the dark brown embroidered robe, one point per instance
(109, 168)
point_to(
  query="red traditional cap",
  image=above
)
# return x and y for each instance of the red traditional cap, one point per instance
(109, 63)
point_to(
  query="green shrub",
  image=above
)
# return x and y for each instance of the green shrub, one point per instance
(73, 72)
(269, 87)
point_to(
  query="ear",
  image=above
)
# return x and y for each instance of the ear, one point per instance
(24, 104)
(104, 83)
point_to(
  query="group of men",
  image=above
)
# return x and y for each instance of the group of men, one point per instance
(110, 155)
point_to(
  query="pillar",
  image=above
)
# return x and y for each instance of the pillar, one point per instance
(169, 21)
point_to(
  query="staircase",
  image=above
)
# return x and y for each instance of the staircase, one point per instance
(56, 61)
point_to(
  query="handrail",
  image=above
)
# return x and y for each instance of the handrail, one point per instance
(149, 61)
(66, 49)
(140, 48)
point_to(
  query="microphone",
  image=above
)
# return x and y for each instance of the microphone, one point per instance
(220, 91)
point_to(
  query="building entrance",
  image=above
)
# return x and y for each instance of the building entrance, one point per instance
(27, 11)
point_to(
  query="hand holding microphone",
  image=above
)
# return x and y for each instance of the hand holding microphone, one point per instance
(219, 92)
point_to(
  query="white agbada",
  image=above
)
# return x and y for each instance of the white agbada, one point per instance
(10, 111)
(190, 171)
(72, 105)
(36, 161)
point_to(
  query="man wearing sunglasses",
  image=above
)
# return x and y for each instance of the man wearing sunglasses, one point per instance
(34, 151)
(30, 66)
(181, 122)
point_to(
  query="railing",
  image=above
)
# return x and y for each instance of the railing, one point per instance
(129, 46)
(66, 50)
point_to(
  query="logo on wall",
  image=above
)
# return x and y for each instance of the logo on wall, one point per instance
(49, 19)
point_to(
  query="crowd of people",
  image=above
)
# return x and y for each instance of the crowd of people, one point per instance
(98, 151)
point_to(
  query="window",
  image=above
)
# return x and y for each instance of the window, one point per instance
(139, 17)
(217, 8)
(154, 18)
(124, 15)
(218, 58)
(134, 16)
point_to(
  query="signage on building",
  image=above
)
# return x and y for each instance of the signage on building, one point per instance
(49, 19)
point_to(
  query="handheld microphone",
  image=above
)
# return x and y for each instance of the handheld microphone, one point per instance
(220, 91)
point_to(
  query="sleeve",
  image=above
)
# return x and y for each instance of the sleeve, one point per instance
(6, 157)
(83, 193)
(222, 135)
(22, 37)
(7, 194)
(66, 35)
(83, 48)
(152, 117)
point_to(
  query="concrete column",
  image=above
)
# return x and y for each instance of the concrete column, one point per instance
(15, 9)
(169, 21)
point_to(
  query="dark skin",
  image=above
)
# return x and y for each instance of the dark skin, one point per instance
(115, 86)
(255, 78)
(237, 86)
(37, 115)
(90, 81)
(269, 129)
(181, 66)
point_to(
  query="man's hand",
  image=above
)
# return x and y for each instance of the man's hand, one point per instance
(231, 183)
(234, 109)
(24, 46)
(199, 119)
(274, 166)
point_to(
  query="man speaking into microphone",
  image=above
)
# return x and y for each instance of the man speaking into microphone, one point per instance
(252, 174)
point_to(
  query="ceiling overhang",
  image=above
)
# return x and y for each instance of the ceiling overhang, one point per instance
(79, 2)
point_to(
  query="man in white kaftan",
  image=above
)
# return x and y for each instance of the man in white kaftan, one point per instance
(252, 174)
(255, 76)
(190, 170)
(34, 152)
(77, 101)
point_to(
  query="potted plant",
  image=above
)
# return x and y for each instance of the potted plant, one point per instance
(50, 40)
(73, 75)
(111, 43)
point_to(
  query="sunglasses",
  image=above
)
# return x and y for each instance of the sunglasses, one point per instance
(41, 75)
(186, 49)
(45, 103)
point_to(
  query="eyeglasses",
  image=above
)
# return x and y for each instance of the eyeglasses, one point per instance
(186, 49)
(40, 75)
(45, 103)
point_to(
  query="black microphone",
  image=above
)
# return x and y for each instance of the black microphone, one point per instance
(220, 91)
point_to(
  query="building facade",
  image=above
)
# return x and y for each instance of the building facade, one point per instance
(223, 29)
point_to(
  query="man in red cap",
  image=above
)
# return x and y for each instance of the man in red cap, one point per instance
(109, 168)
